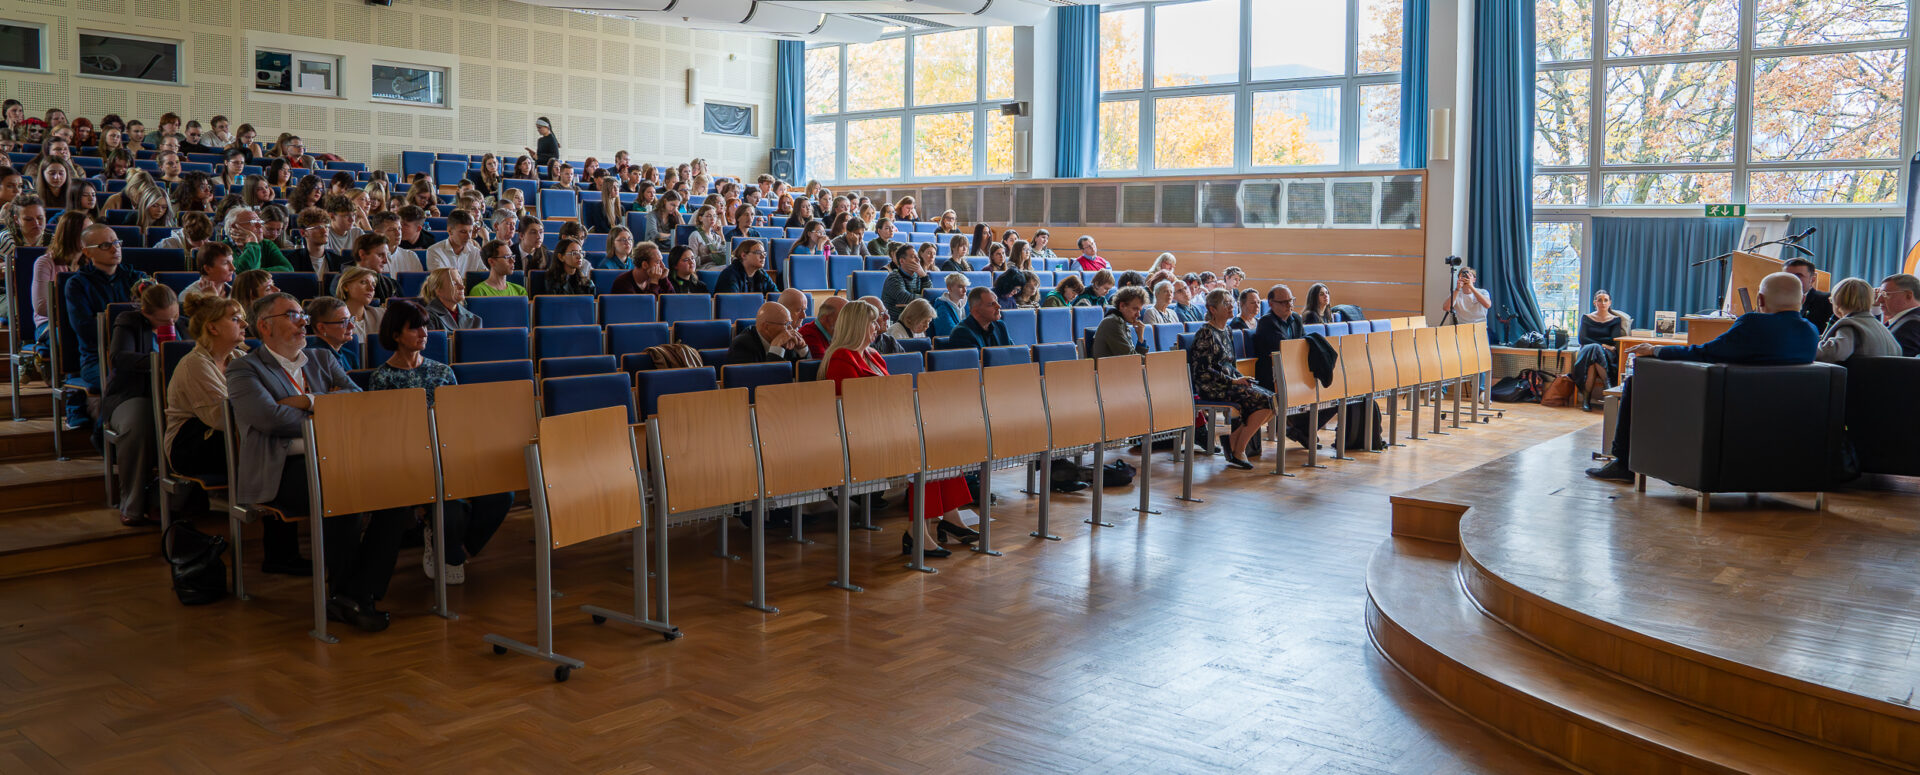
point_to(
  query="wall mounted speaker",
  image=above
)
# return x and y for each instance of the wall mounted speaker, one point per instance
(780, 164)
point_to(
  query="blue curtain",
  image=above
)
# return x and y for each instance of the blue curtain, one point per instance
(1413, 85)
(1077, 138)
(1643, 263)
(1500, 195)
(1867, 248)
(789, 103)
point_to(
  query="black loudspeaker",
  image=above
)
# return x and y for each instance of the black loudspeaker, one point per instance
(780, 164)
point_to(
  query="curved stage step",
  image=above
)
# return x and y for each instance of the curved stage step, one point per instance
(1421, 619)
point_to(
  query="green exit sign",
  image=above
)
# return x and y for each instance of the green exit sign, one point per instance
(1726, 211)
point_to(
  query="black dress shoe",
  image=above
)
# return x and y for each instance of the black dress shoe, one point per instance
(1613, 471)
(906, 547)
(346, 610)
(1240, 463)
(293, 567)
(966, 534)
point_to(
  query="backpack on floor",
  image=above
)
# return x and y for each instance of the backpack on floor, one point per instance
(195, 558)
(1118, 473)
(1525, 388)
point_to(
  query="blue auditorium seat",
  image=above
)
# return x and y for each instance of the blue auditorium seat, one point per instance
(564, 311)
(566, 341)
(178, 281)
(676, 307)
(573, 366)
(866, 283)
(559, 203)
(1002, 356)
(948, 360)
(753, 375)
(1055, 324)
(905, 363)
(1022, 325)
(490, 344)
(1339, 329)
(840, 269)
(410, 283)
(493, 371)
(302, 285)
(565, 395)
(1087, 317)
(495, 311)
(1164, 336)
(922, 345)
(529, 190)
(447, 172)
(737, 306)
(808, 273)
(651, 385)
(628, 308)
(626, 338)
(1054, 351)
(704, 334)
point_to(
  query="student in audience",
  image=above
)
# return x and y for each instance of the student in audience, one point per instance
(947, 224)
(252, 285)
(193, 193)
(358, 288)
(100, 281)
(126, 404)
(1210, 366)
(1816, 305)
(338, 184)
(306, 193)
(1319, 305)
(746, 273)
(64, 254)
(645, 202)
(311, 237)
(1162, 310)
(1775, 334)
(813, 239)
(1089, 259)
(399, 259)
(250, 249)
(1123, 331)
(1183, 305)
(373, 253)
(681, 271)
(1899, 296)
(982, 237)
(908, 280)
(707, 240)
(413, 229)
(796, 301)
(611, 212)
(334, 326)
(459, 251)
(648, 275)
(294, 150)
(957, 260)
(1100, 290)
(929, 255)
(1854, 331)
(740, 224)
(563, 177)
(819, 332)
(951, 306)
(195, 230)
(83, 196)
(243, 139)
(620, 249)
(997, 258)
(1017, 289)
(444, 295)
(1249, 317)
(1469, 303)
(15, 114)
(341, 231)
(772, 339)
(1008, 238)
(850, 242)
(111, 141)
(486, 180)
(914, 321)
(882, 242)
(982, 327)
(273, 227)
(1165, 262)
(1065, 291)
(279, 175)
(219, 134)
(195, 440)
(52, 180)
(27, 228)
(570, 275)
(1599, 329)
(783, 206)
(1040, 250)
(801, 214)
(524, 168)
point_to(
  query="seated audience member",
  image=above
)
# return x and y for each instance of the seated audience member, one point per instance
(681, 272)
(1089, 259)
(98, 282)
(1815, 304)
(982, 327)
(413, 229)
(126, 405)
(1468, 303)
(251, 285)
(747, 272)
(1184, 307)
(334, 326)
(214, 262)
(620, 249)
(882, 242)
(1162, 309)
(957, 260)
(850, 356)
(341, 231)
(706, 239)
(914, 321)
(399, 259)
(1210, 365)
(1123, 330)
(372, 252)
(499, 266)
(649, 272)
(997, 258)
(849, 243)
(445, 294)
(1854, 331)
(65, 253)
(470, 523)
(273, 227)
(1020, 255)
(951, 306)
(1279, 324)
(250, 249)
(1319, 305)
(359, 287)
(1899, 297)
(1017, 289)
(1249, 316)
(948, 223)
(195, 440)
(1041, 252)
(570, 275)
(1065, 290)
(796, 302)
(195, 230)
(884, 341)
(273, 390)
(458, 251)
(908, 280)
(1594, 365)
(1775, 334)
(311, 254)
(1099, 290)
(1232, 277)
(529, 245)
(819, 332)
(773, 338)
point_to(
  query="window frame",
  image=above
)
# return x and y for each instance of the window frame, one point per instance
(980, 107)
(179, 57)
(40, 31)
(446, 84)
(1245, 87)
(1740, 166)
(294, 58)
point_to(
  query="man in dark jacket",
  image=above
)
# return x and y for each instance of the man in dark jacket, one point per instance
(1776, 334)
(99, 282)
(1280, 324)
(772, 339)
(982, 326)
(1815, 305)
(747, 272)
(883, 342)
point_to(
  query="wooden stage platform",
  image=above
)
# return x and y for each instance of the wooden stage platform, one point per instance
(1626, 632)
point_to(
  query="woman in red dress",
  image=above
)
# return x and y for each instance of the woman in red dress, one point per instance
(849, 357)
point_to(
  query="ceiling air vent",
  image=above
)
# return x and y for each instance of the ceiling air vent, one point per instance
(1260, 202)
(1218, 204)
(1136, 204)
(1178, 205)
(1306, 203)
(999, 204)
(1029, 204)
(1063, 205)
(1353, 202)
(1400, 202)
(1103, 206)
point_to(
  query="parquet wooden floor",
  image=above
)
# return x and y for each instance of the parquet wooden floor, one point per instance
(1222, 636)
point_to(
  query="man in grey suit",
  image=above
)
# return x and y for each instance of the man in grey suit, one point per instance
(272, 391)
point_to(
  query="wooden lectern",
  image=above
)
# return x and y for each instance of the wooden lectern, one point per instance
(1743, 283)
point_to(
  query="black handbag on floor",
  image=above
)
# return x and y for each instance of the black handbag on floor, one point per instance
(196, 560)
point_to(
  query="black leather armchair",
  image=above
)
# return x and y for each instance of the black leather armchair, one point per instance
(1727, 428)
(1883, 421)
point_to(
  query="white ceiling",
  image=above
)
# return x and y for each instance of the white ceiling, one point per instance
(840, 21)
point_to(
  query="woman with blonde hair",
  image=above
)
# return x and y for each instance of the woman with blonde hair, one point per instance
(197, 392)
(423, 195)
(914, 320)
(904, 210)
(612, 210)
(444, 295)
(957, 258)
(357, 288)
(1854, 331)
(1165, 261)
(63, 255)
(947, 223)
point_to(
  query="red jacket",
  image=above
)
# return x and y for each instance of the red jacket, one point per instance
(1093, 263)
(851, 364)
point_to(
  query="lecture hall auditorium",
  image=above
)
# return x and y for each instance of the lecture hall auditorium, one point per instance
(1413, 386)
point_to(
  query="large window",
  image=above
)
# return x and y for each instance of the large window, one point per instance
(1690, 102)
(911, 107)
(1204, 86)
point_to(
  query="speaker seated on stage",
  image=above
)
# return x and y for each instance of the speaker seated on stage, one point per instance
(1815, 304)
(1899, 298)
(1776, 334)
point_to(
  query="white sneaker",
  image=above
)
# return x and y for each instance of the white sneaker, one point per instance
(456, 575)
(426, 557)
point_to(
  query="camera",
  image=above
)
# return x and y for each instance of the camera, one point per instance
(1453, 260)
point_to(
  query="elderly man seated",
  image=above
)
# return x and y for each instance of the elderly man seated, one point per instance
(773, 338)
(1775, 334)
(272, 391)
(883, 342)
(820, 331)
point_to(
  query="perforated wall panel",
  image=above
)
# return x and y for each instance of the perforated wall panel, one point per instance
(1063, 204)
(1352, 202)
(1179, 204)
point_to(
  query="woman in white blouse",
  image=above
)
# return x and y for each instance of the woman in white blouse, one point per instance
(357, 290)
(197, 392)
